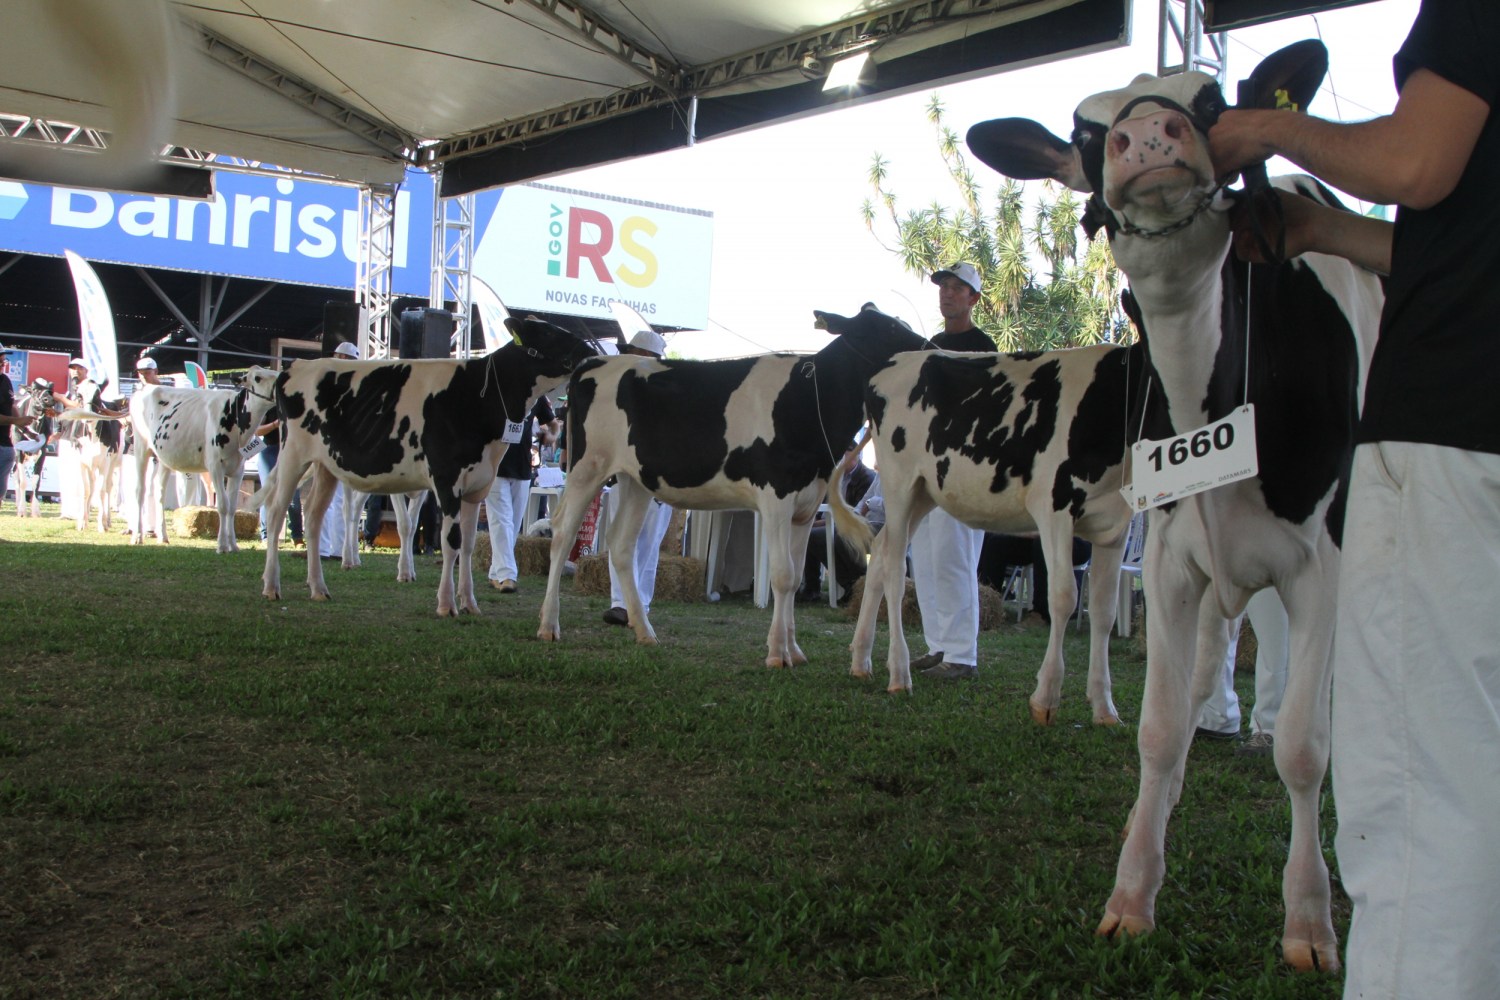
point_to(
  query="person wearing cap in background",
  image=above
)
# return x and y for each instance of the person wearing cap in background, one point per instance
(331, 535)
(645, 344)
(944, 550)
(505, 504)
(147, 372)
(9, 419)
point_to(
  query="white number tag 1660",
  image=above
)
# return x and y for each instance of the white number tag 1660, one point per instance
(1211, 456)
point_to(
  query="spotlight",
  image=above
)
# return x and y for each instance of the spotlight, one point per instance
(854, 70)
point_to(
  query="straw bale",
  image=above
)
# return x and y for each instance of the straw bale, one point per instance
(533, 555)
(592, 576)
(203, 522)
(991, 607)
(678, 578)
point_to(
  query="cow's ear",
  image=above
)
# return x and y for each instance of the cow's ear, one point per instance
(1025, 150)
(1288, 78)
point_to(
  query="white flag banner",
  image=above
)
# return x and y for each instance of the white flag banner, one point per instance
(631, 322)
(97, 321)
(492, 314)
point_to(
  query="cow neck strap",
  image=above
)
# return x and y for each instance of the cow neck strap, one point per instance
(810, 370)
(1129, 228)
(491, 368)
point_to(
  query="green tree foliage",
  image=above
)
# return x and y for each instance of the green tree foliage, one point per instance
(1044, 288)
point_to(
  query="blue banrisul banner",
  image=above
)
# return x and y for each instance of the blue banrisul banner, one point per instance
(272, 228)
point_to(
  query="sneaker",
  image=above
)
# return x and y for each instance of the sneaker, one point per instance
(922, 663)
(504, 586)
(616, 616)
(1214, 736)
(1256, 745)
(952, 672)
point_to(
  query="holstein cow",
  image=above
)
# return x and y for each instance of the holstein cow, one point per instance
(195, 431)
(406, 507)
(1014, 443)
(37, 400)
(400, 426)
(761, 433)
(1304, 329)
(99, 445)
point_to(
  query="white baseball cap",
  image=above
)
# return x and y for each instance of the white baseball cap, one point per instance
(145, 364)
(79, 363)
(963, 272)
(649, 340)
(346, 350)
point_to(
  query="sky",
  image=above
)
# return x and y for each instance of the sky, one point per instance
(788, 234)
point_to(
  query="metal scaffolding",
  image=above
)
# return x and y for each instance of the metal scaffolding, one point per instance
(452, 262)
(377, 242)
(1182, 45)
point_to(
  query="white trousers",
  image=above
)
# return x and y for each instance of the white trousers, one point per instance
(647, 553)
(504, 510)
(1416, 723)
(331, 536)
(1221, 713)
(945, 568)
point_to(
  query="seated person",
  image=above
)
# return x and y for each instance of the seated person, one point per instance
(862, 492)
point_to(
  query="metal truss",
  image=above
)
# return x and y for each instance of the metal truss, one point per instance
(372, 290)
(668, 84)
(50, 132)
(248, 64)
(1183, 46)
(452, 264)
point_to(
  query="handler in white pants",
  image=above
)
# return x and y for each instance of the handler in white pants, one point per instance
(945, 568)
(1220, 716)
(647, 554)
(1416, 721)
(945, 551)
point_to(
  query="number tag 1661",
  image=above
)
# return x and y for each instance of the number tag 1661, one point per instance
(1211, 456)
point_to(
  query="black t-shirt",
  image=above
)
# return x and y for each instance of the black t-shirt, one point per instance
(516, 464)
(7, 407)
(972, 339)
(1433, 377)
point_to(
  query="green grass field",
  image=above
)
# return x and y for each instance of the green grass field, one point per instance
(206, 794)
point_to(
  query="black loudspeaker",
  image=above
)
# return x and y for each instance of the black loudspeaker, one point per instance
(426, 333)
(340, 323)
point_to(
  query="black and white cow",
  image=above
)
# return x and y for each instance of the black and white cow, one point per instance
(1014, 443)
(1304, 329)
(399, 426)
(99, 446)
(37, 400)
(761, 433)
(196, 431)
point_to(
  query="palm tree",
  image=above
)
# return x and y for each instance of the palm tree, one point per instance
(1038, 293)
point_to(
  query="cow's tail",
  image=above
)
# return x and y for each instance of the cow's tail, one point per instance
(848, 526)
(257, 500)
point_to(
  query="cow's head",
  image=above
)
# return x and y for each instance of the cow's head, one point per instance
(554, 352)
(1141, 152)
(871, 332)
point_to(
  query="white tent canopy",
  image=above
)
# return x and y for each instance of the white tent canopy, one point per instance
(497, 90)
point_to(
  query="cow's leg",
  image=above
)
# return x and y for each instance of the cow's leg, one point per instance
(1176, 597)
(282, 483)
(903, 518)
(1302, 740)
(138, 519)
(1062, 599)
(406, 510)
(785, 579)
(314, 506)
(226, 479)
(863, 643)
(630, 502)
(468, 527)
(1104, 592)
(584, 481)
(86, 488)
(353, 501)
(159, 492)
